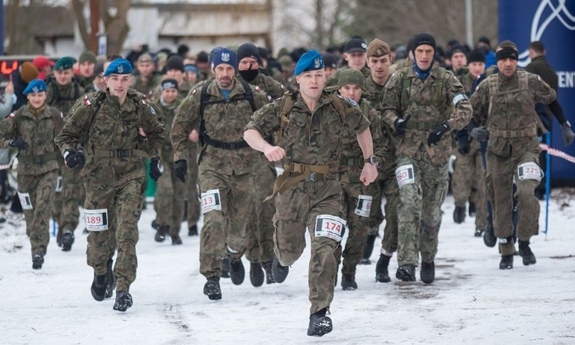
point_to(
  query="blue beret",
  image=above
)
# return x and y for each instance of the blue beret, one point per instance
(225, 55)
(119, 66)
(35, 86)
(309, 61)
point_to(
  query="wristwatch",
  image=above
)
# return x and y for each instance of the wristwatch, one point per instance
(372, 160)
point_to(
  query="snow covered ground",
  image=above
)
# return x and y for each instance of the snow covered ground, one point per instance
(470, 302)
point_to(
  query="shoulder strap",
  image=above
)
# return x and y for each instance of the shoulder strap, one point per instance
(249, 94)
(288, 101)
(339, 106)
(204, 100)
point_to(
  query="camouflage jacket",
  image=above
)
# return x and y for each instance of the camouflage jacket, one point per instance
(438, 99)
(147, 87)
(268, 85)
(169, 112)
(467, 80)
(224, 122)
(63, 97)
(399, 64)
(506, 106)
(310, 137)
(38, 132)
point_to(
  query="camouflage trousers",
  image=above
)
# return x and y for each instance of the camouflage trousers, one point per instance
(169, 199)
(467, 182)
(41, 191)
(296, 209)
(260, 248)
(501, 172)
(65, 207)
(419, 213)
(225, 228)
(358, 225)
(122, 199)
(391, 192)
(193, 207)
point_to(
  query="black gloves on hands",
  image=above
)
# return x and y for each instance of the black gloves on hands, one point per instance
(480, 134)
(567, 133)
(155, 172)
(19, 143)
(435, 136)
(463, 145)
(181, 169)
(400, 124)
(74, 159)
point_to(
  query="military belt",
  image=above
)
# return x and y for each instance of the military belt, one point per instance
(297, 172)
(313, 177)
(512, 133)
(422, 126)
(223, 145)
(120, 153)
(41, 159)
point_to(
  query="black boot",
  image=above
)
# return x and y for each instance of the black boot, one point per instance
(67, 240)
(256, 274)
(193, 230)
(367, 250)
(489, 237)
(98, 288)
(506, 262)
(212, 288)
(348, 282)
(471, 210)
(111, 279)
(37, 261)
(154, 224)
(161, 233)
(526, 253)
(478, 233)
(225, 267)
(237, 272)
(269, 274)
(176, 240)
(123, 301)
(427, 273)
(279, 272)
(406, 273)
(381, 272)
(459, 215)
(319, 324)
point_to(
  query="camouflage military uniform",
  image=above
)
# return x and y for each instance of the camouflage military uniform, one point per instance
(312, 142)
(113, 175)
(506, 106)
(421, 169)
(399, 64)
(228, 169)
(147, 87)
(65, 207)
(37, 167)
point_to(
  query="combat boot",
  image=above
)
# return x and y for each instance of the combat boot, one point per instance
(406, 273)
(367, 250)
(154, 224)
(176, 240)
(319, 324)
(98, 288)
(225, 267)
(348, 282)
(381, 272)
(526, 253)
(212, 288)
(506, 262)
(427, 273)
(237, 272)
(459, 215)
(489, 237)
(193, 230)
(256, 274)
(67, 240)
(123, 301)
(279, 272)
(269, 274)
(161, 233)
(37, 261)
(478, 232)
(111, 279)
(471, 210)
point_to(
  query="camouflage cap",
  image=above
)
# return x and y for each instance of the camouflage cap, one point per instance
(350, 76)
(145, 58)
(377, 48)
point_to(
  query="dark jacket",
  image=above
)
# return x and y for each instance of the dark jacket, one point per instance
(19, 87)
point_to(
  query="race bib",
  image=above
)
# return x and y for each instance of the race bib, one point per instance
(58, 184)
(329, 226)
(96, 220)
(404, 175)
(363, 208)
(529, 171)
(211, 201)
(25, 201)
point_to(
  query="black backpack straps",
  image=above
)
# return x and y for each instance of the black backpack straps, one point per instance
(249, 94)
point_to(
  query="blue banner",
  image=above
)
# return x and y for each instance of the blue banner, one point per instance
(553, 23)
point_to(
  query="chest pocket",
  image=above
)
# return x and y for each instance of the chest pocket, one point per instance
(295, 129)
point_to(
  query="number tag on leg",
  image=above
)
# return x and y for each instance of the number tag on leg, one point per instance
(25, 201)
(58, 184)
(404, 175)
(363, 208)
(211, 201)
(96, 220)
(529, 171)
(329, 226)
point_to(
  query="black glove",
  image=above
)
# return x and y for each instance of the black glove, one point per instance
(74, 159)
(567, 133)
(155, 172)
(463, 145)
(19, 143)
(400, 124)
(480, 134)
(181, 169)
(435, 136)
